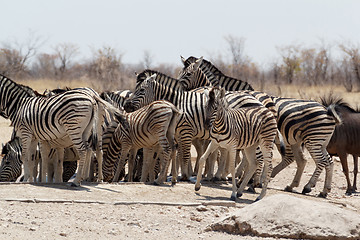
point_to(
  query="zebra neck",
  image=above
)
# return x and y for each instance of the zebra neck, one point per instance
(217, 78)
(220, 125)
(170, 92)
(12, 98)
(208, 75)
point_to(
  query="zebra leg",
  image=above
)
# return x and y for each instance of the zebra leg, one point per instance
(222, 165)
(147, 163)
(174, 172)
(131, 161)
(241, 168)
(210, 149)
(301, 162)
(285, 160)
(250, 154)
(45, 152)
(199, 146)
(266, 150)
(259, 173)
(183, 157)
(164, 161)
(32, 160)
(231, 157)
(121, 163)
(322, 159)
(89, 166)
(58, 165)
(209, 167)
(99, 157)
(81, 171)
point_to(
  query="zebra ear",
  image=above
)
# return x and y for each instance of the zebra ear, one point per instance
(206, 92)
(136, 74)
(212, 94)
(153, 76)
(11, 148)
(222, 92)
(198, 62)
(183, 59)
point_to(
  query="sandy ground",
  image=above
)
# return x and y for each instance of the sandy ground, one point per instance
(136, 210)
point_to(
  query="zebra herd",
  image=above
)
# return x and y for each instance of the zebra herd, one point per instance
(164, 116)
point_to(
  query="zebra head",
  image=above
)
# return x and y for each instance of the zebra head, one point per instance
(216, 100)
(143, 95)
(191, 75)
(10, 168)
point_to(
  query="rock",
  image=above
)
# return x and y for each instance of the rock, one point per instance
(287, 216)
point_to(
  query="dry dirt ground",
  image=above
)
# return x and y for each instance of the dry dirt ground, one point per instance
(135, 210)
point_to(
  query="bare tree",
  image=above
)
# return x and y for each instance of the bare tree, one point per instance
(236, 48)
(14, 55)
(65, 52)
(106, 66)
(148, 59)
(291, 61)
(45, 66)
(352, 52)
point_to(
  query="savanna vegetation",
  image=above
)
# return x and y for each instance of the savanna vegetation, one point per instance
(297, 71)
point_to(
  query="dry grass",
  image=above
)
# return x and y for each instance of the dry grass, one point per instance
(294, 91)
(314, 92)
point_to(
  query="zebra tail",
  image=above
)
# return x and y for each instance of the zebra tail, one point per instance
(175, 120)
(95, 132)
(331, 111)
(280, 138)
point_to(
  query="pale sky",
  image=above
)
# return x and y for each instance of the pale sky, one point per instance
(168, 29)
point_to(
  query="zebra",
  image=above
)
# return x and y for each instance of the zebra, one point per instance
(70, 118)
(11, 165)
(299, 121)
(243, 128)
(191, 126)
(146, 127)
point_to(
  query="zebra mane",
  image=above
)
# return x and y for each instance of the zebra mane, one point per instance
(338, 102)
(205, 62)
(28, 90)
(217, 74)
(141, 77)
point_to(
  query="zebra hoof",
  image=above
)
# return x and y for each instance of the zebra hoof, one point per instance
(306, 190)
(73, 184)
(251, 189)
(197, 188)
(239, 195)
(288, 189)
(322, 195)
(215, 179)
(157, 183)
(233, 198)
